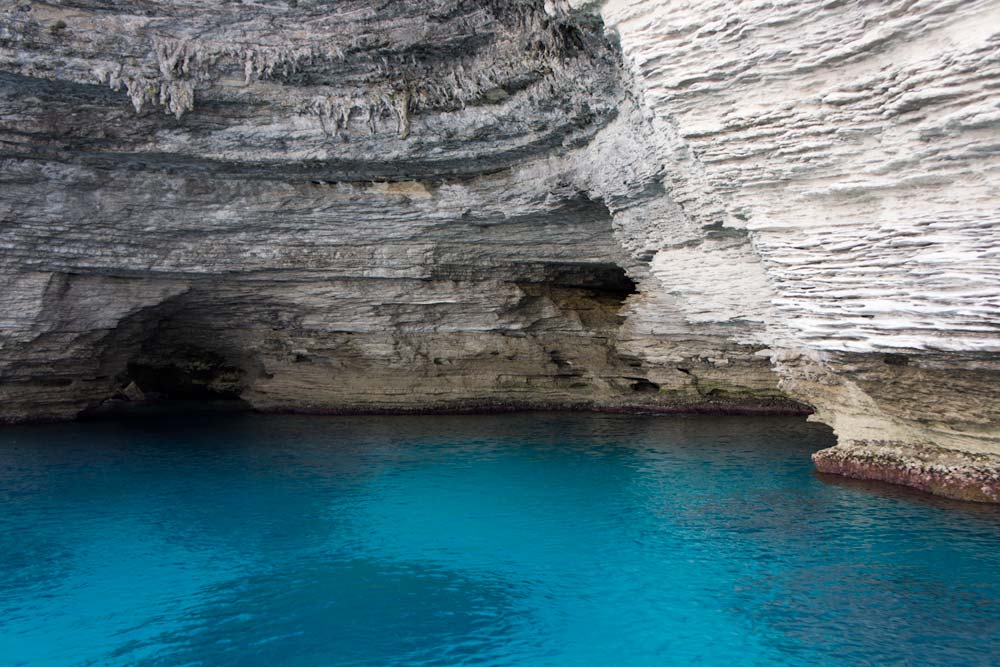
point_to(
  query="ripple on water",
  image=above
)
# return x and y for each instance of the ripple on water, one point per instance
(536, 539)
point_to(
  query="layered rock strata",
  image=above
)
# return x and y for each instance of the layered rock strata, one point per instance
(856, 146)
(354, 208)
(446, 204)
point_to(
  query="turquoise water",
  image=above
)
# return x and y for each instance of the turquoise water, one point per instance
(540, 539)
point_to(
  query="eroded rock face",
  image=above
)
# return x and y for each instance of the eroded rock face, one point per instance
(445, 204)
(334, 207)
(856, 146)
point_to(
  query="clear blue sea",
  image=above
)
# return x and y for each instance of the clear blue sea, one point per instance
(530, 539)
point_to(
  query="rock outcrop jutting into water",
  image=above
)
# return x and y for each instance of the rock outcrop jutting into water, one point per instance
(451, 204)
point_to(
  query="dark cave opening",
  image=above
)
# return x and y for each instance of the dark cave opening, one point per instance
(642, 385)
(606, 278)
(187, 373)
(164, 356)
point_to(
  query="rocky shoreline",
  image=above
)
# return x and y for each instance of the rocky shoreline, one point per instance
(948, 473)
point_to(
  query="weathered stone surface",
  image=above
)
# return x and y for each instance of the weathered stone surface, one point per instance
(443, 204)
(844, 155)
(384, 210)
(944, 472)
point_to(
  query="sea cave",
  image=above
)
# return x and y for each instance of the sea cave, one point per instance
(499, 332)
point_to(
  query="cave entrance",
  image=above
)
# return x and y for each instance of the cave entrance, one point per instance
(172, 355)
(185, 372)
(605, 279)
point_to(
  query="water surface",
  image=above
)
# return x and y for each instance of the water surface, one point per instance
(536, 539)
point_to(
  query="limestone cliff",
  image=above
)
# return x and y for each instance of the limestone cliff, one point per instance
(856, 147)
(449, 204)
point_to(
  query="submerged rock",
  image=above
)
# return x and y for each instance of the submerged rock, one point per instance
(442, 205)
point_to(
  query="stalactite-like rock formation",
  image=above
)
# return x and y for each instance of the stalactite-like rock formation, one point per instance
(456, 204)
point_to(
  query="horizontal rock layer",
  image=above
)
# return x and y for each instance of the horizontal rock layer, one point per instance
(943, 472)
